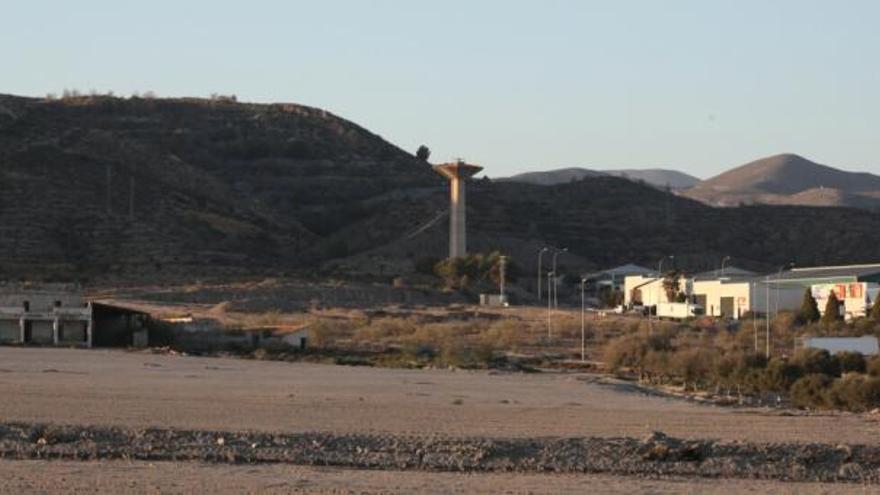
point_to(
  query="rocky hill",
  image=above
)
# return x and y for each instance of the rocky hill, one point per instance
(121, 189)
(657, 177)
(98, 185)
(789, 179)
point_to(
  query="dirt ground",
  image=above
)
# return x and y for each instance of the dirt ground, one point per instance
(31, 477)
(138, 389)
(103, 387)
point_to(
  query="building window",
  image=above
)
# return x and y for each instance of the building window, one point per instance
(26, 305)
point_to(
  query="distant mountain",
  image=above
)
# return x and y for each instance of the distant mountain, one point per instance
(551, 177)
(657, 177)
(789, 179)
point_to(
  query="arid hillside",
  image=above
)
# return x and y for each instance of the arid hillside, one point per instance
(101, 185)
(789, 179)
(150, 189)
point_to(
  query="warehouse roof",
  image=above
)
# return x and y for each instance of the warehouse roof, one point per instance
(820, 274)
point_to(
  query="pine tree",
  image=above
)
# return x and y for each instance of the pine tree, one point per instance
(832, 309)
(809, 311)
(875, 309)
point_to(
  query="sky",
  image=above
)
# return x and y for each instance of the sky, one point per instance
(696, 85)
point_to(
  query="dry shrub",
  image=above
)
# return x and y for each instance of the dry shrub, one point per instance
(328, 332)
(507, 334)
(386, 329)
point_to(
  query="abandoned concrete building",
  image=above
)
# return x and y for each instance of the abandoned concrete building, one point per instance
(58, 314)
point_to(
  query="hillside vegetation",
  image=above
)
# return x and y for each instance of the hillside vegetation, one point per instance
(113, 188)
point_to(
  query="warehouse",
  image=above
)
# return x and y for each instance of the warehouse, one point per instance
(856, 286)
(59, 315)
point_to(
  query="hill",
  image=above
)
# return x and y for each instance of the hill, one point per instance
(789, 179)
(100, 185)
(153, 189)
(656, 177)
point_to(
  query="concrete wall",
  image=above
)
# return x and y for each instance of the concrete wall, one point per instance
(10, 331)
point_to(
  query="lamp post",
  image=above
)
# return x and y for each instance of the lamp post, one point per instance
(767, 287)
(550, 275)
(583, 320)
(778, 280)
(724, 260)
(660, 280)
(555, 284)
(540, 254)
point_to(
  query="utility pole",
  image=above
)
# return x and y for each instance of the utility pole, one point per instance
(754, 315)
(503, 267)
(555, 284)
(583, 321)
(540, 254)
(724, 260)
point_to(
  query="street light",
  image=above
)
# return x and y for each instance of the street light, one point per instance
(583, 320)
(540, 254)
(778, 279)
(724, 260)
(555, 284)
(550, 276)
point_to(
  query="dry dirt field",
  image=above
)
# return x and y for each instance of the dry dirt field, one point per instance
(33, 477)
(135, 389)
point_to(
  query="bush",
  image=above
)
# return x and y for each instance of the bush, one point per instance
(854, 393)
(780, 375)
(810, 391)
(873, 366)
(816, 361)
(851, 362)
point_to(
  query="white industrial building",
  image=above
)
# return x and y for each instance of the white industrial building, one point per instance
(856, 286)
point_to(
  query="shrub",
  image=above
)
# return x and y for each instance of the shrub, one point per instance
(810, 390)
(325, 333)
(854, 393)
(851, 362)
(780, 375)
(873, 366)
(423, 153)
(817, 361)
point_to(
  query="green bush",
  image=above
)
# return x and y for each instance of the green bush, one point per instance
(851, 362)
(854, 393)
(780, 375)
(817, 361)
(873, 366)
(810, 391)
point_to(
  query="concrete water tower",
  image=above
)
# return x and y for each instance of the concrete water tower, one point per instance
(457, 173)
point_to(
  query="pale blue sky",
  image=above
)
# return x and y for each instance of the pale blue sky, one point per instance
(696, 85)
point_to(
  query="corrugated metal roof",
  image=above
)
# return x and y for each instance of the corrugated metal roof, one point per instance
(851, 272)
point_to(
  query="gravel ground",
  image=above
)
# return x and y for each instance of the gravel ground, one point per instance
(655, 455)
(40, 477)
(115, 388)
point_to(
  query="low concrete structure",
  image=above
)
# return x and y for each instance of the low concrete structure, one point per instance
(867, 346)
(57, 314)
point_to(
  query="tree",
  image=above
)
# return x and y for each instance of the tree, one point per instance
(423, 153)
(809, 311)
(875, 309)
(832, 309)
